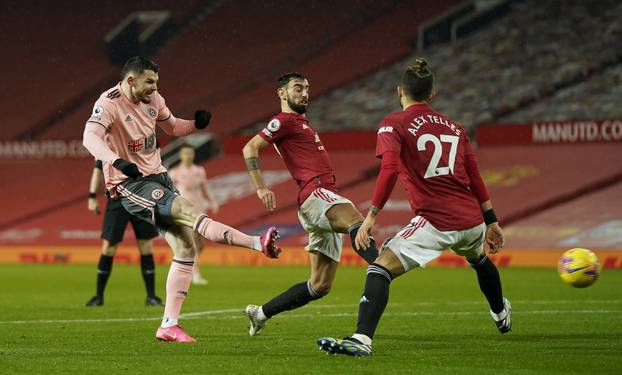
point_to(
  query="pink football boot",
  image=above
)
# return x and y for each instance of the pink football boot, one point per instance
(268, 243)
(174, 333)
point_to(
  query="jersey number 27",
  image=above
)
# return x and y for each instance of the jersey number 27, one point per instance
(433, 169)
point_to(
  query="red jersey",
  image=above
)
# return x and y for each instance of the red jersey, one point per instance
(437, 166)
(302, 151)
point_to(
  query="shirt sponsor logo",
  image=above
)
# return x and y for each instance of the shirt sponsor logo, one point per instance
(141, 144)
(267, 132)
(98, 111)
(157, 194)
(274, 125)
(385, 129)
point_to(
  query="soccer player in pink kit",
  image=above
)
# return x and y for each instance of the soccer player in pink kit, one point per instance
(191, 181)
(452, 208)
(323, 213)
(121, 133)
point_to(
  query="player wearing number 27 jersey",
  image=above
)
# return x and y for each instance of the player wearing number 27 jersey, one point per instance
(452, 210)
(437, 167)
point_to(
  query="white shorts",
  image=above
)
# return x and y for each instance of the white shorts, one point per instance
(312, 216)
(420, 242)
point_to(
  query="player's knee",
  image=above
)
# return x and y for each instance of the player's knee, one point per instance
(183, 210)
(145, 247)
(109, 249)
(321, 288)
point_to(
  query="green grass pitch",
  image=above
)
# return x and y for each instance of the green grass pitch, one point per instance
(436, 322)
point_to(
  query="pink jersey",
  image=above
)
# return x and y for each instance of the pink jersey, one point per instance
(189, 182)
(302, 151)
(130, 132)
(437, 168)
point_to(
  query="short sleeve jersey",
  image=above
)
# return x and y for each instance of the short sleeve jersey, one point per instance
(302, 151)
(189, 181)
(130, 132)
(432, 151)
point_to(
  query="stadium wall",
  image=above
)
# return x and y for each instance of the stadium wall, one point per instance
(548, 197)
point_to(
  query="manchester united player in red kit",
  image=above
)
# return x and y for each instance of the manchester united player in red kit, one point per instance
(324, 214)
(433, 157)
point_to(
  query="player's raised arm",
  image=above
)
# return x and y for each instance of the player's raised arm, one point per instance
(180, 127)
(251, 156)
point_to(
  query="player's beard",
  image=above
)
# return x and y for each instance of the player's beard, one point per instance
(298, 108)
(145, 99)
(141, 96)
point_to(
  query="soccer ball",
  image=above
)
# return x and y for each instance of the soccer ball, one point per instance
(579, 267)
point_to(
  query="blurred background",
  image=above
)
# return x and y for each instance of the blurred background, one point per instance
(538, 85)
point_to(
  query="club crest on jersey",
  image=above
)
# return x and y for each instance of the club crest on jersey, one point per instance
(274, 125)
(98, 111)
(152, 112)
(157, 194)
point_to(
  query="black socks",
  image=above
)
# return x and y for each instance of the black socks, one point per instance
(147, 267)
(294, 297)
(371, 253)
(374, 299)
(104, 268)
(489, 283)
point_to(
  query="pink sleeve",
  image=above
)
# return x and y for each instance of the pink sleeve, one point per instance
(170, 124)
(176, 126)
(94, 141)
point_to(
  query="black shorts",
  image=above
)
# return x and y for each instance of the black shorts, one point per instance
(149, 198)
(115, 222)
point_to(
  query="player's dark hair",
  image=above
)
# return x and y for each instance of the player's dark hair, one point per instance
(186, 145)
(285, 78)
(418, 81)
(137, 65)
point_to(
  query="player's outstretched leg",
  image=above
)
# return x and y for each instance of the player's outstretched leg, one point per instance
(184, 214)
(490, 285)
(371, 306)
(221, 233)
(177, 284)
(323, 270)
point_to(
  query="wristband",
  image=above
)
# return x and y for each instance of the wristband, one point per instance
(92, 195)
(490, 217)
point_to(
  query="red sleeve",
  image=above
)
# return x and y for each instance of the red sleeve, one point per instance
(388, 138)
(386, 178)
(470, 164)
(274, 131)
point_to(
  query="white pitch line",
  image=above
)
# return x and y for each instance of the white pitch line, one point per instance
(216, 314)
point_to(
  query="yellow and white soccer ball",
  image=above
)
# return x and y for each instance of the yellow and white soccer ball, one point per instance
(579, 267)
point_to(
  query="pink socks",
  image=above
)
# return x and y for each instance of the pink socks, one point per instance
(177, 285)
(221, 233)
